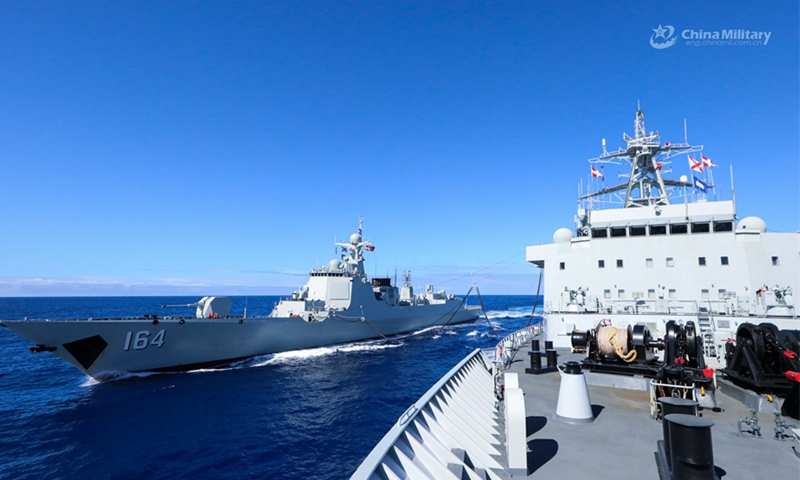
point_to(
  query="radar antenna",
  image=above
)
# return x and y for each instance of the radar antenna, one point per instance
(646, 156)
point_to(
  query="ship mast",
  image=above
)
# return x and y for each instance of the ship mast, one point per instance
(646, 156)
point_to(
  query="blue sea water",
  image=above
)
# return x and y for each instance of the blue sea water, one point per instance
(305, 414)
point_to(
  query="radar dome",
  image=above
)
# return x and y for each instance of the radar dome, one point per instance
(334, 264)
(355, 238)
(749, 224)
(562, 235)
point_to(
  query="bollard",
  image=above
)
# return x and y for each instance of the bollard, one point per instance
(686, 453)
(552, 357)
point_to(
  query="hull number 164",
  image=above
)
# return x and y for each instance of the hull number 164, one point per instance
(142, 340)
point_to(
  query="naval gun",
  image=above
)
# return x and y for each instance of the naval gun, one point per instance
(208, 307)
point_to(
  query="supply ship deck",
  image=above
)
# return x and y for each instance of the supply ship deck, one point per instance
(459, 430)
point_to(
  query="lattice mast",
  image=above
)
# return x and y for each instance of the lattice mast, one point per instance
(646, 156)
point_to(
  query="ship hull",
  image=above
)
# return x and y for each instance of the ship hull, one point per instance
(102, 348)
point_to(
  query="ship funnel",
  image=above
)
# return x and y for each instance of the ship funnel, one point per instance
(574, 406)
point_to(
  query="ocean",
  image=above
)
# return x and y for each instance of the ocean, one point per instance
(305, 414)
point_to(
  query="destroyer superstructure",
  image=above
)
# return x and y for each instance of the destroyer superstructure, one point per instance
(667, 252)
(338, 304)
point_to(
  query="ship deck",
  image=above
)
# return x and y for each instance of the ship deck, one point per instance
(622, 440)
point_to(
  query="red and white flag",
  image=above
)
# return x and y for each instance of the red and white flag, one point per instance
(695, 165)
(369, 248)
(706, 161)
(659, 165)
(596, 173)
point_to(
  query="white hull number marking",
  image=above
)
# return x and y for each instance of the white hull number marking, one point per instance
(142, 340)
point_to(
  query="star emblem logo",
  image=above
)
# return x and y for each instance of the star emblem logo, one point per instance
(665, 32)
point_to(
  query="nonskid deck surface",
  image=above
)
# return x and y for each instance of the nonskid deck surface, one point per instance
(621, 442)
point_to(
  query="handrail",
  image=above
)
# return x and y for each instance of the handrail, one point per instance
(375, 457)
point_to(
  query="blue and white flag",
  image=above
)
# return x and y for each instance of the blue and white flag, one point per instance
(700, 185)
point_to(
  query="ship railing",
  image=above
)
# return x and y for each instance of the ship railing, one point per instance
(505, 350)
(642, 306)
(130, 318)
(448, 428)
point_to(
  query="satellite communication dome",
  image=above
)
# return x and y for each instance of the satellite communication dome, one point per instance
(562, 235)
(752, 224)
(334, 264)
(355, 238)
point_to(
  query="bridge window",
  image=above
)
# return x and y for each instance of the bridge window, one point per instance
(723, 226)
(701, 261)
(599, 233)
(617, 231)
(601, 264)
(637, 231)
(678, 228)
(700, 227)
(619, 262)
(723, 260)
(658, 229)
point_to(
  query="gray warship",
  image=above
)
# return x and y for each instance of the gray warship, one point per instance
(338, 304)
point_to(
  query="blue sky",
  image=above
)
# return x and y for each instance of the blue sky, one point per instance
(219, 147)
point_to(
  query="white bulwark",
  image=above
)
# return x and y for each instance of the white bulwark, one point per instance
(667, 252)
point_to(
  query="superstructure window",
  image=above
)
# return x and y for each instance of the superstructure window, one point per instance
(700, 227)
(701, 261)
(648, 262)
(561, 266)
(621, 293)
(607, 293)
(722, 293)
(637, 231)
(619, 262)
(723, 226)
(678, 228)
(599, 233)
(658, 229)
(775, 261)
(704, 293)
(617, 231)
(723, 260)
(651, 293)
(673, 293)
(601, 264)
(670, 262)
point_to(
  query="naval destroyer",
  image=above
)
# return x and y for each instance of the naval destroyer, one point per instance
(338, 304)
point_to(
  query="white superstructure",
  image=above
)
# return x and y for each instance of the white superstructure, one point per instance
(667, 252)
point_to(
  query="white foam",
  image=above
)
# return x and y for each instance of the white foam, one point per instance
(295, 355)
(515, 313)
(116, 376)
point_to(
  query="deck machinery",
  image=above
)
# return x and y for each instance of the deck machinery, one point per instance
(632, 351)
